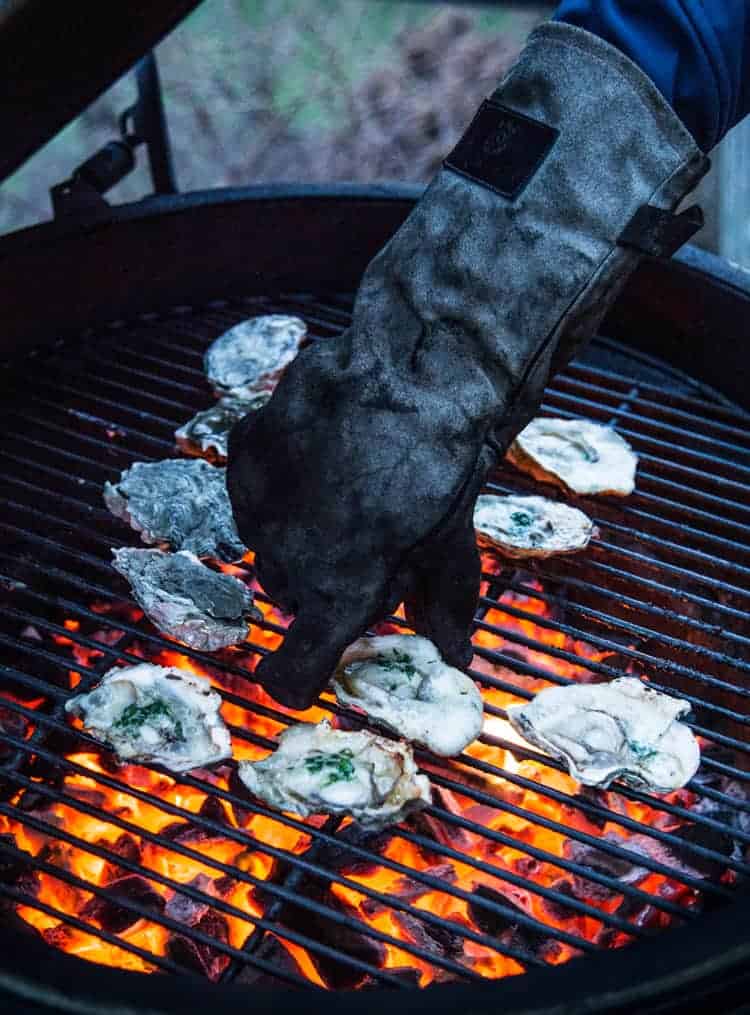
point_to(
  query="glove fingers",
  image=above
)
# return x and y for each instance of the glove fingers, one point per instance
(297, 672)
(443, 598)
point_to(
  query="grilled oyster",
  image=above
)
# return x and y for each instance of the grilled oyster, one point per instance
(402, 681)
(316, 769)
(207, 433)
(156, 715)
(186, 599)
(619, 730)
(184, 504)
(577, 455)
(251, 356)
(530, 526)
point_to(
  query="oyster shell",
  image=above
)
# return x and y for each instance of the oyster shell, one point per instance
(317, 769)
(156, 715)
(184, 504)
(521, 527)
(207, 433)
(577, 455)
(402, 681)
(251, 356)
(602, 732)
(186, 599)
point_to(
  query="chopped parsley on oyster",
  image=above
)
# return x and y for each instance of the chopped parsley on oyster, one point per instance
(317, 769)
(186, 599)
(155, 715)
(521, 527)
(182, 503)
(206, 435)
(251, 356)
(621, 730)
(580, 456)
(402, 681)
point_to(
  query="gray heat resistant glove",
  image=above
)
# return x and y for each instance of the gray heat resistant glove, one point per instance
(356, 483)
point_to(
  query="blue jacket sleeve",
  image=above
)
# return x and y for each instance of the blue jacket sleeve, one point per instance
(697, 52)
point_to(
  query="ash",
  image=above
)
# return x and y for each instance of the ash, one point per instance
(184, 504)
(207, 433)
(187, 600)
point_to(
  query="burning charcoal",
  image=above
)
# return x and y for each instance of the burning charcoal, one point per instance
(407, 889)
(273, 951)
(505, 927)
(13, 724)
(199, 956)
(558, 910)
(597, 860)
(409, 976)
(251, 356)
(349, 941)
(708, 838)
(207, 433)
(185, 909)
(116, 918)
(187, 600)
(337, 857)
(181, 503)
(440, 941)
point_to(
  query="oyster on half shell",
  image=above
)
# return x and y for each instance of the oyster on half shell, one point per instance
(158, 715)
(182, 503)
(578, 455)
(251, 356)
(317, 769)
(522, 527)
(186, 599)
(402, 681)
(621, 730)
(207, 433)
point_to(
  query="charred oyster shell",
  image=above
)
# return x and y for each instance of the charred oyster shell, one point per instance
(156, 715)
(184, 504)
(317, 769)
(522, 527)
(186, 599)
(402, 681)
(583, 457)
(621, 730)
(251, 356)
(207, 433)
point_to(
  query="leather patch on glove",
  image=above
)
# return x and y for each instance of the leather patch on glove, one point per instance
(502, 149)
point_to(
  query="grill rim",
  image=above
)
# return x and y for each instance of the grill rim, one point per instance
(706, 963)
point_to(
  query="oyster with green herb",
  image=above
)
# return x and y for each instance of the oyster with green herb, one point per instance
(320, 770)
(402, 682)
(580, 456)
(521, 527)
(621, 730)
(155, 715)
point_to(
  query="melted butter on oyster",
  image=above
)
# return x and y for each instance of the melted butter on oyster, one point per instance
(583, 457)
(156, 715)
(182, 503)
(621, 730)
(251, 356)
(402, 681)
(521, 527)
(317, 769)
(207, 433)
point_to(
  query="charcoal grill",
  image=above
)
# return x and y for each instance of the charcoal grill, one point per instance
(663, 592)
(596, 902)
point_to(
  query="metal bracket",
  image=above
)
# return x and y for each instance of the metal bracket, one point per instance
(82, 196)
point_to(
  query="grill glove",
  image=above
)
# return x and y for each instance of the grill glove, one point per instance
(356, 483)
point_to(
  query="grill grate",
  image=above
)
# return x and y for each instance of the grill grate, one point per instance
(663, 592)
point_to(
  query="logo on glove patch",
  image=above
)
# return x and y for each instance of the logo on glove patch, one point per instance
(502, 149)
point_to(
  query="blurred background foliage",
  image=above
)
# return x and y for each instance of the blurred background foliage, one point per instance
(263, 91)
(298, 90)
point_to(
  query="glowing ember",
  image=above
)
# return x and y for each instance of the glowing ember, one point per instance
(513, 821)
